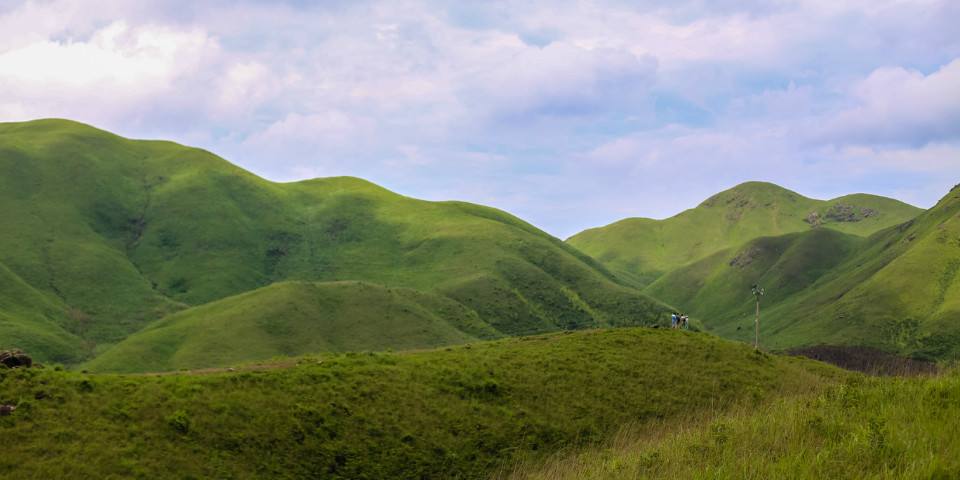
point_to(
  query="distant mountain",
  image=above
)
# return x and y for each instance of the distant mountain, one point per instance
(641, 250)
(107, 235)
(289, 318)
(897, 289)
(717, 288)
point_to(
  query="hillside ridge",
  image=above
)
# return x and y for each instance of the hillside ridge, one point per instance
(455, 412)
(896, 290)
(640, 250)
(123, 233)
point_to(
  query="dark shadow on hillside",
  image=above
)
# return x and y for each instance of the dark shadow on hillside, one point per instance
(867, 360)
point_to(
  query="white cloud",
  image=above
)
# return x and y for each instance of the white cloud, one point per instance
(295, 127)
(565, 109)
(563, 79)
(116, 71)
(934, 158)
(245, 86)
(34, 21)
(116, 56)
(898, 105)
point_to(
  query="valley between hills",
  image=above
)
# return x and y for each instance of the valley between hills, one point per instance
(418, 339)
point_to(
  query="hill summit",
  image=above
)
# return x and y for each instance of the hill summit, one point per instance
(640, 250)
(834, 282)
(115, 234)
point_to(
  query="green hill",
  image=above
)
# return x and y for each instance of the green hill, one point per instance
(286, 319)
(899, 291)
(873, 428)
(114, 234)
(640, 250)
(32, 320)
(716, 289)
(460, 412)
(896, 290)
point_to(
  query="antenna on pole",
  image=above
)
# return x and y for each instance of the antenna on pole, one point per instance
(757, 293)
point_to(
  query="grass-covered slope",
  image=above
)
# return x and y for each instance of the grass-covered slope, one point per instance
(868, 428)
(900, 291)
(120, 233)
(30, 319)
(640, 250)
(716, 289)
(896, 290)
(295, 318)
(65, 187)
(458, 412)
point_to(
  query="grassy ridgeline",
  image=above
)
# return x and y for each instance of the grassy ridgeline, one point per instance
(864, 428)
(114, 234)
(457, 412)
(641, 250)
(898, 290)
(291, 318)
(718, 287)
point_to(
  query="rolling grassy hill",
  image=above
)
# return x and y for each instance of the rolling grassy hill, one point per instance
(874, 428)
(716, 289)
(290, 318)
(114, 234)
(32, 320)
(458, 412)
(896, 290)
(640, 250)
(900, 291)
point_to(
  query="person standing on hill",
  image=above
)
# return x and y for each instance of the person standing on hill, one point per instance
(683, 321)
(673, 320)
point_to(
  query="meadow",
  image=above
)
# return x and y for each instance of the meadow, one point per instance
(455, 412)
(197, 321)
(897, 290)
(863, 427)
(641, 250)
(116, 236)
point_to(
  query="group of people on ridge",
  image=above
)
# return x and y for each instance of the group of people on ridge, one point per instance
(679, 321)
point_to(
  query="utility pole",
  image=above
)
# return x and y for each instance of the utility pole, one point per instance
(757, 293)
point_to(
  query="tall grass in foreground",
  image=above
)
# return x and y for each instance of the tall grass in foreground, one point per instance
(457, 412)
(864, 428)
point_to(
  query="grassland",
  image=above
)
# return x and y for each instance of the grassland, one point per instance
(865, 428)
(718, 287)
(295, 318)
(455, 412)
(128, 248)
(114, 234)
(641, 250)
(31, 320)
(459, 411)
(896, 290)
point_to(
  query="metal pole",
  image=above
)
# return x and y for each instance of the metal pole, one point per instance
(756, 330)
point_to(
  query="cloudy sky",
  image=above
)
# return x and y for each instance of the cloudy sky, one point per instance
(570, 114)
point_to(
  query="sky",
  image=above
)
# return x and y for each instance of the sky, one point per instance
(569, 114)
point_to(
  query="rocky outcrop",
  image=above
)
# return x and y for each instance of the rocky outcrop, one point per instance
(840, 212)
(849, 213)
(745, 257)
(15, 359)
